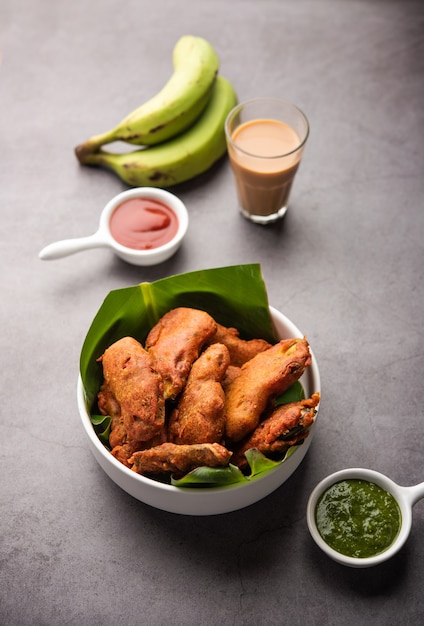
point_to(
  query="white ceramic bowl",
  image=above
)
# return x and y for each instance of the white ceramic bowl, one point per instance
(154, 255)
(406, 497)
(103, 238)
(207, 500)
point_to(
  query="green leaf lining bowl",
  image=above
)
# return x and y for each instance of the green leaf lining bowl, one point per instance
(198, 500)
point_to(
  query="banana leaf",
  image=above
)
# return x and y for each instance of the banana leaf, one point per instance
(220, 476)
(235, 296)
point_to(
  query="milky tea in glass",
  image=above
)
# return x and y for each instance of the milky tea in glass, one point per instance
(265, 139)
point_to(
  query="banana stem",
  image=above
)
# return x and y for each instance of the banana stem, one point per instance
(92, 145)
(90, 157)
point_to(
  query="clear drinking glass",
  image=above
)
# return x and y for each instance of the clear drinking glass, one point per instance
(266, 138)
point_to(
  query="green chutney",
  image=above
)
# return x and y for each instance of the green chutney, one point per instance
(357, 518)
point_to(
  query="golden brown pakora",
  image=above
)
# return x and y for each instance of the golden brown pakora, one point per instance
(241, 350)
(108, 405)
(179, 459)
(261, 379)
(131, 383)
(175, 342)
(285, 426)
(122, 446)
(199, 416)
(232, 372)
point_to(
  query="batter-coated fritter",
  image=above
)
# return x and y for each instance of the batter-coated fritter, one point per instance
(175, 343)
(136, 388)
(200, 414)
(125, 451)
(108, 405)
(232, 372)
(284, 427)
(122, 446)
(241, 350)
(261, 379)
(179, 459)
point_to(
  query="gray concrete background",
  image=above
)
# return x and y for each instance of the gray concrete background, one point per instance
(346, 266)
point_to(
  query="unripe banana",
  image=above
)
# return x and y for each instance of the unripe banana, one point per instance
(181, 158)
(176, 106)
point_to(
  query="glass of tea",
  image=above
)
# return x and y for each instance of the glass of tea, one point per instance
(266, 138)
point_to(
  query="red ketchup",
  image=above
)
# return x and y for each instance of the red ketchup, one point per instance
(143, 224)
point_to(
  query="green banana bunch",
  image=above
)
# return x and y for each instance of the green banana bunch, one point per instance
(181, 158)
(175, 107)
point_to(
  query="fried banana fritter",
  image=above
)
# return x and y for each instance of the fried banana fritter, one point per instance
(261, 379)
(179, 459)
(175, 342)
(232, 372)
(132, 384)
(285, 426)
(121, 444)
(108, 405)
(241, 350)
(200, 414)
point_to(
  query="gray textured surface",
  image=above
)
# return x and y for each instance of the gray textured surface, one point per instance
(346, 266)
